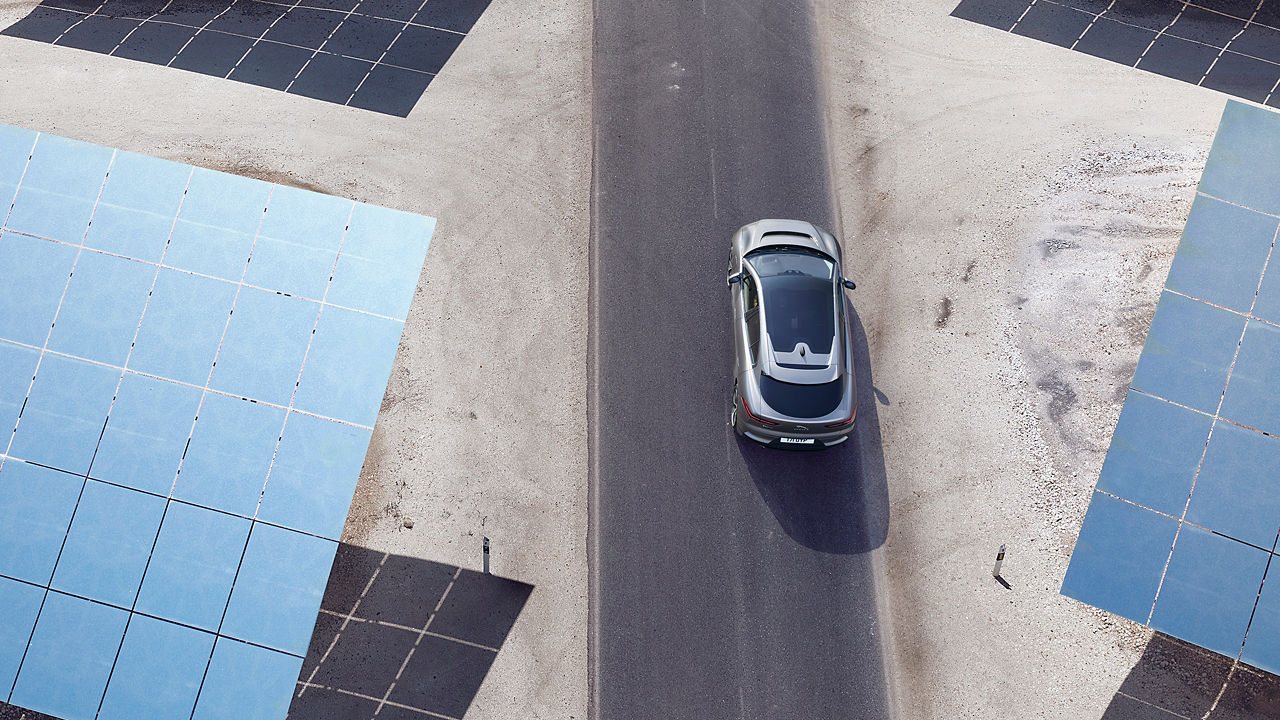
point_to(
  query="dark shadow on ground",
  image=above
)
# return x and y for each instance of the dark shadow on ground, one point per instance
(377, 55)
(834, 500)
(418, 633)
(1232, 46)
(1174, 679)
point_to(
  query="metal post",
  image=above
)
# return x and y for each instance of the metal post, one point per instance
(486, 556)
(995, 572)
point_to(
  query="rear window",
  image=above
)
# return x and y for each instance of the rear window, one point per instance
(802, 401)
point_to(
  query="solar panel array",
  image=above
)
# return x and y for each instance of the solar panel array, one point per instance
(1183, 526)
(1232, 46)
(377, 55)
(191, 365)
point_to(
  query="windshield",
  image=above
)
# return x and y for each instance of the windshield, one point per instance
(799, 299)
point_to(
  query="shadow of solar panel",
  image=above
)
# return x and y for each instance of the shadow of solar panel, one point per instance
(191, 364)
(400, 637)
(377, 55)
(1175, 679)
(1232, 47)
(1182, 530)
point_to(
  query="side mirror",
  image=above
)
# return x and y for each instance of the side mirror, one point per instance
(847, 283)
(732, 279)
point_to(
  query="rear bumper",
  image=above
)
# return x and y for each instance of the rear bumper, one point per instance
(790, 441)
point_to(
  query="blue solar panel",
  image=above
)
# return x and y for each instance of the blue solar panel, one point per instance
(1184, 523)
(191, 364)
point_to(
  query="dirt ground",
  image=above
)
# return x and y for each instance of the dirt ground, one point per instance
(1010, 211)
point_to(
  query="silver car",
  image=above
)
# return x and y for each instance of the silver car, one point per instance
(793, 361)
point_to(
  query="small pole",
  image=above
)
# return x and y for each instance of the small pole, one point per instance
(995, 571)
(486, 555)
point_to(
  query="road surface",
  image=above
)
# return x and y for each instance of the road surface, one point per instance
(728, 581)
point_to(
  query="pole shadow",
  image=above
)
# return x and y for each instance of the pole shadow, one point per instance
(1175, 679)
(834, 500)
(403, 637)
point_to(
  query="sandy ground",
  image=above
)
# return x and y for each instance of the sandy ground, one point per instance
(483, 428)
(1010, 210)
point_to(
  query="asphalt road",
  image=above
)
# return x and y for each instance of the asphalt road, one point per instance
(728, 581)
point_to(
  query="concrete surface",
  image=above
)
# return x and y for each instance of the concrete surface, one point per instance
(1017, 206)
(730, 581)
(483, 429)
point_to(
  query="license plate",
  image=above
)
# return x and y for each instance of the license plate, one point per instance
(797, 441)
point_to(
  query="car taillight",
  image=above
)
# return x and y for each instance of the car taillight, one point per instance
(752, 415)
(845, 423)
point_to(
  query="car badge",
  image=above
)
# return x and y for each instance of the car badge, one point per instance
(801, 427)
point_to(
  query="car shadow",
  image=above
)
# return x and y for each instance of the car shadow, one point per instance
(1174, 679)
(835, 500)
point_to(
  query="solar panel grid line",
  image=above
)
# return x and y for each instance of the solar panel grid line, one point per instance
(279, 439)
(194, 273)
(1160, 34)
(9, 208)
(197, 31)
(383, 56)
(1188, 523)
(71, 521)
(368, 15)
(69, 29)
(460, 641)
(178, 473)
(1219, 306)
(1025, 10)
(187, 503)
(398, 626)
(165, 512)
(389, 703)
(213, 391)
(1089, 27)
(320, 48)
(1227, 44)
(347, 617)
(1198, 411)
(257, 40)
(418, 641)
(1213, 426)
(61, 300)
(129, 34)
(310, 341)
(1254, 611)
(8, 212)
